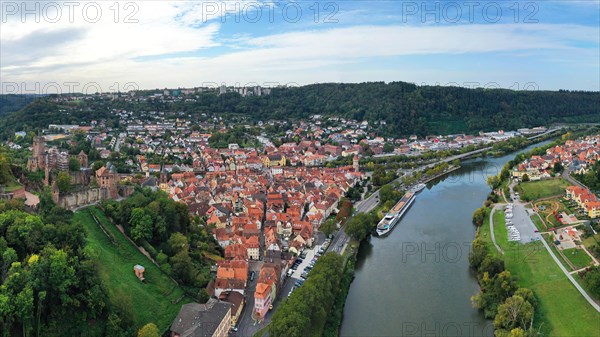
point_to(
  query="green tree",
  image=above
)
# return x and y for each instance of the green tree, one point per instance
(149, 330)
(328, 227)
(557, 168)
(63, 181)
(515, 312)
(141, 225)
(74, 164)
(479, 216)
(525, 177)
(592, 279)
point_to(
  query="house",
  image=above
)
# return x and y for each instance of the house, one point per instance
(212, 319)
(266, 288)
(276, 159)
(237, 301)
(262, 299)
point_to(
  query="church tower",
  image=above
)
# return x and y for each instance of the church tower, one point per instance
(355, 163)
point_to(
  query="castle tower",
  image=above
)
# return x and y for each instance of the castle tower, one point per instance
(83, 159)
(39, 146)
(355, 163)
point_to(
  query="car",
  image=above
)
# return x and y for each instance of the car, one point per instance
(270, 306)
(234, 329)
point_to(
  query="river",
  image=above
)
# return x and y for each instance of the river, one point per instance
(416, 281)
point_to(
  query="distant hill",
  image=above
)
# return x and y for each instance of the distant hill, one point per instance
(405, 108)
(12, 103)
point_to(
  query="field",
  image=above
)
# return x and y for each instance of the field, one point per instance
(578, 257)
(500, 230)
(561, 311)
(538, 223)
(532, 190)
(151, 301)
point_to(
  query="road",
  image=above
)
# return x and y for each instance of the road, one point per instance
(246, 325)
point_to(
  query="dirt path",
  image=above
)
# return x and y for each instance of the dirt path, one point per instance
(556, 207)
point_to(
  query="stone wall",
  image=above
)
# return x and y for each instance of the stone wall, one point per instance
(82, 198)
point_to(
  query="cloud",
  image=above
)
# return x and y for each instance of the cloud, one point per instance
(150, 52)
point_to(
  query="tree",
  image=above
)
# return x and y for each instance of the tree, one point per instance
(5, 172)
(149, 330)
(74, 164)
(493, 181)
(525, 177)
(592, 279)
(557, 168)
(328, 227)
(479, 216)
(515, 312)
(178, 242)
(63, 181)
(141, 225)
(97, 165)
(478, 253)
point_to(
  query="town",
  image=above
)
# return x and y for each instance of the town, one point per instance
(263, 189)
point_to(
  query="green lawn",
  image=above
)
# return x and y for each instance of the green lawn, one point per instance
(500, 230)
(562, 311)
(12, 186)
(556, 252)
(484, 233)
(591, 241)
(151, 301)
(538, 223)
(578, 257)
(532, 190)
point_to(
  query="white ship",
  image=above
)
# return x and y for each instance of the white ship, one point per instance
(393, 216)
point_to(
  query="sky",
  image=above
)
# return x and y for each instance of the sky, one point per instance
(107, 46)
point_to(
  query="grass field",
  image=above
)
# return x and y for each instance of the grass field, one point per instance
(538, 223)
(562, 311)
(578, 257)
(591, 241)
(12, 186)
(151, 301)
(557, 253)
(500, 230)
(532, 190)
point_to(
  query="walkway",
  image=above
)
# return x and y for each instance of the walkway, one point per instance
(577, 286)
(492, 227)
(560, 265)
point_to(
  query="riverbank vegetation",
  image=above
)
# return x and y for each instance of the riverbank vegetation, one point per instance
(334, 320)
(307, 310)
(558, 308)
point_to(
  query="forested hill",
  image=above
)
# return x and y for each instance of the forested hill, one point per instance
(406, 108)
(11, 103)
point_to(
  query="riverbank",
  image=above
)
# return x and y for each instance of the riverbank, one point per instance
(560, 309)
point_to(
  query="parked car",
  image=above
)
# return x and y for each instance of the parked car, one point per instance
(252, 275)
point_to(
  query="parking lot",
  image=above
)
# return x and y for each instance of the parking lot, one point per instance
(522, 222)
(310, 254)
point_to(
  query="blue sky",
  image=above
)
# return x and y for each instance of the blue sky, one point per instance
(546, 45)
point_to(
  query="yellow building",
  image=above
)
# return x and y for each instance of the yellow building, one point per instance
(276, 159)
